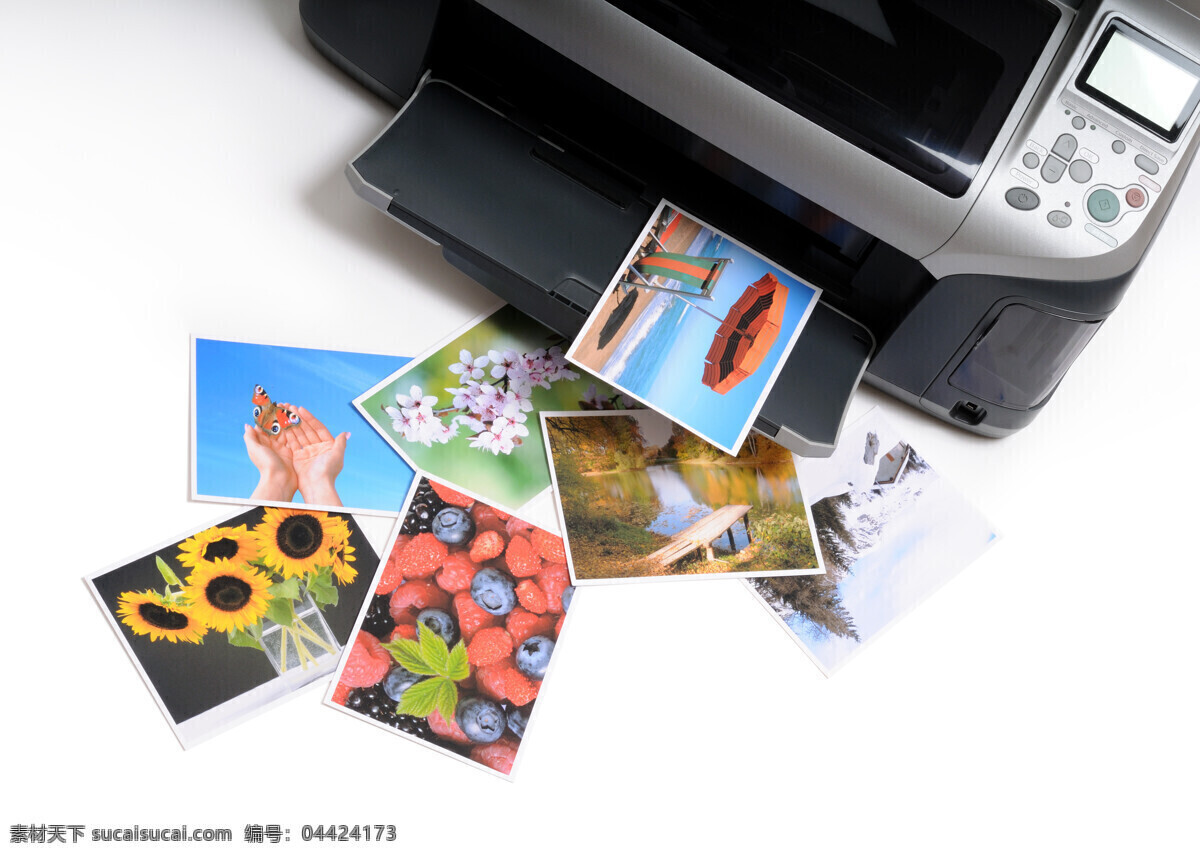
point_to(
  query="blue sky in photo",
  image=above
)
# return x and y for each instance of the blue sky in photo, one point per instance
(325, 382)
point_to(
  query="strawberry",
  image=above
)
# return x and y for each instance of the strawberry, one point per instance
(522, 624)
(521, 559)
(519, 689)
(489, 544)
(403, 632)
(531, 597)
(488, 646)
(454, 498)
(549, 546)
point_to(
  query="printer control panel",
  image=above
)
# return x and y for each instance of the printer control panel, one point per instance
(1097, 158)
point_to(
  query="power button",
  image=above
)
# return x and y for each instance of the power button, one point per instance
(1136, 197)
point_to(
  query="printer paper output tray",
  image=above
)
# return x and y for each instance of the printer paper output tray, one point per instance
(546, 230)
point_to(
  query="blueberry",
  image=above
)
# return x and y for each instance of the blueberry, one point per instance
(494, 591)
(518, 719)
(453, 526)
(480, 719)
(397, 681)
(440, 622)
(533, 656)
(567, 595)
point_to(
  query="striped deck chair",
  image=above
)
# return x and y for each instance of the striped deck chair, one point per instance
(698, 272)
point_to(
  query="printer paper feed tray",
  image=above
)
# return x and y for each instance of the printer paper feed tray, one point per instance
(547, 230)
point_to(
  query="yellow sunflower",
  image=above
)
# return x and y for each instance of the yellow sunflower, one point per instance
(342, 557)
(295, 541)
(231, 543)
(225, 596)
(148, 613)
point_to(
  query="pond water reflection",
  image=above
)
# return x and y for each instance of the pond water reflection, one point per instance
(688, 492)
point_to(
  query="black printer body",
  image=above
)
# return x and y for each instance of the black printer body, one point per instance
(972, 184)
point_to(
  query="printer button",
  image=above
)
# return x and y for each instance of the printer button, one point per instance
(1135, 197)
(1081, 170)
(1022, 198)
(1103, 205)
(1078, 122)
(1089, 155)
(1065, 146)
(1053, 169)
(1059, 218)
(1100, 235)
(1145, 164)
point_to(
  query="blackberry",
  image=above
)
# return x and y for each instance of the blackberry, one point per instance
(378, 620)
(425, 505)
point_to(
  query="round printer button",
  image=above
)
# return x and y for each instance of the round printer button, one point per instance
(1080, 171)
(1103, 205)
(1030, 161)
(1025, 200)
(1118, 146)
(1136, 197)
(1078, 122)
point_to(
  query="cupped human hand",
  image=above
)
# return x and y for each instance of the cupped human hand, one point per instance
(273, 458)
(317, 458)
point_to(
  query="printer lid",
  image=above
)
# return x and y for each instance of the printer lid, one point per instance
(925, 85)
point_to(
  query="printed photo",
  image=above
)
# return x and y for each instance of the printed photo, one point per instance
(467, 412)
(696, 326)
(272, 424)
(454, 645)
(228, 620)
(891, 531)
(641, 497)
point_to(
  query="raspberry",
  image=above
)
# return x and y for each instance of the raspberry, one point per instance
(517, 527)
(522, 625)
(487, 519)
(403, 632)
(531, 598)
(519, 689)
(340, 692)
(449, 731)
(553, 580)
(489, 544)
(367, 663)
(417, 595)
(456, 573)
(499, 755)
(392, 575)
(549, 546)
(488, 646)
(521, 559)
(490, 679)
(451, 496)
(558, 625)
(421, 557)
(471, 617)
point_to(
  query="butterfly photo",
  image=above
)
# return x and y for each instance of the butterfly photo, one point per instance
(270, 417)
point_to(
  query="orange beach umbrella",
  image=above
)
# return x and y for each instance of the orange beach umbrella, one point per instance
(746, 335)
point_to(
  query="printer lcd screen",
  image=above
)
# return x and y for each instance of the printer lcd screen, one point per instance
(1143, 80)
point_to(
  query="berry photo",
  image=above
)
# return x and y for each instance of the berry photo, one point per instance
(641, 497)
(459, 630)
(223, 622)
(466, 413)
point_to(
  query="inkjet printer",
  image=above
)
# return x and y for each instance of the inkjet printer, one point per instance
(972, 184)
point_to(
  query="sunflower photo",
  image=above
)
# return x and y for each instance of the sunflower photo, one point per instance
(226, 620)
(466, 412)
(274, 425)
(695, 325)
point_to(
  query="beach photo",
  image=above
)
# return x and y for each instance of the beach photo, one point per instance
(274, 424)
(467, 411)
(224, 621)
(697, 326)
(453, 647)
(892, 531)
(641, 497)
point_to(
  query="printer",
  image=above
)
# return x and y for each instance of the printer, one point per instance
(972, 184)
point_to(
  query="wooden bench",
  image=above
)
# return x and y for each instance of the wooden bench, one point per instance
(702, 534)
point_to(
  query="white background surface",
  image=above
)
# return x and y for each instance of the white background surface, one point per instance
(175, 168)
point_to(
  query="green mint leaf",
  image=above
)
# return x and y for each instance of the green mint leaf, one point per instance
(243, 639)
(281, 612)
(407, 653)
(422, 698)
(165, 570)
(457, 667)
(289, 588)
(433, 649)
(447, 699)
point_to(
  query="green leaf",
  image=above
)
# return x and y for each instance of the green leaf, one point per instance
(433, 649)
(407, 653)
(165, 571)
(289, 588)
(280, 611)
(447, 699)
(422, 698)
(457, 667)
(244, 639)
(323, 590)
